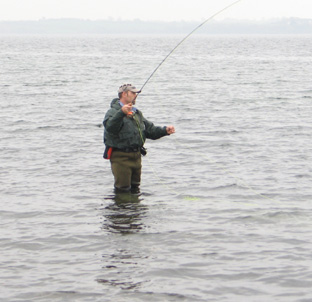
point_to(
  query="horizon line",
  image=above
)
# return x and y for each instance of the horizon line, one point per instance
(110, 19)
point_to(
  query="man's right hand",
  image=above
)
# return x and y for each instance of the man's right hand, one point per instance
(126, 108)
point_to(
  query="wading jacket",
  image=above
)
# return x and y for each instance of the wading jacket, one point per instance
(122, 131)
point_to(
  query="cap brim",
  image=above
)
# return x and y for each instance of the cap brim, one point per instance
(135, 90)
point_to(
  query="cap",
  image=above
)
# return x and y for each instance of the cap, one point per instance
(128, 87)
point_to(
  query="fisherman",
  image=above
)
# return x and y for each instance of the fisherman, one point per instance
(124, 135)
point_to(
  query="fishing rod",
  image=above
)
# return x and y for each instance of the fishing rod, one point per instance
(165, 58)
(186, 37)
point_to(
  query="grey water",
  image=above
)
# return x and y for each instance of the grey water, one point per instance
(225, 207)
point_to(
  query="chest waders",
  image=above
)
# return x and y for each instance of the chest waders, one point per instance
(126, 165)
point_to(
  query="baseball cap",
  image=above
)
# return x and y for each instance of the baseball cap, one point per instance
(128, 87)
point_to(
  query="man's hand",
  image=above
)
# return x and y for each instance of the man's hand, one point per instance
(126, 108)
(170, 129)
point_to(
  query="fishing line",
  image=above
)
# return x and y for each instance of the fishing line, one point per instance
(243, 183)
(194, 198)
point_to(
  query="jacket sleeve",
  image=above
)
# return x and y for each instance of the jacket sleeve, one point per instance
(152, 131)
(113, 120)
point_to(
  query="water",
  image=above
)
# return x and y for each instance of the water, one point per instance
(225, 210)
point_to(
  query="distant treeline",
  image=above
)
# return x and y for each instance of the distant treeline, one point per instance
(79, 26)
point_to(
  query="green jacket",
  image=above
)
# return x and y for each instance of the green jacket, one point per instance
(123, 132)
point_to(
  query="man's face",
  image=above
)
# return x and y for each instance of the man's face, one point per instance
(130, 96)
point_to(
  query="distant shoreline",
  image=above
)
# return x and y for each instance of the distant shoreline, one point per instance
(80, 26)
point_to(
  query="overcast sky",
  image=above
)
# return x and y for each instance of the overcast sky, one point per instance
(161, 10)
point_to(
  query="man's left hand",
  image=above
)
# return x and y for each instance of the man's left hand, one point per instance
(170, 129)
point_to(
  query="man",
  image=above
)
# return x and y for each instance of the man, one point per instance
(125, 132)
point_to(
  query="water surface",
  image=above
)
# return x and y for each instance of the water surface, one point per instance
(224, 213)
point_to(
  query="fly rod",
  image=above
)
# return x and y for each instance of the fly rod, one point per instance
(187, 36)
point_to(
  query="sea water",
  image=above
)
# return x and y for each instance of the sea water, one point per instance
(224, 212)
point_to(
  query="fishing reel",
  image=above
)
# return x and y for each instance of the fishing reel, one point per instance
(130, 114)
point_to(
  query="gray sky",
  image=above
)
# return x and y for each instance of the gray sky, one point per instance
(161, 10)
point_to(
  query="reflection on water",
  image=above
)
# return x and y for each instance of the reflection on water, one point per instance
(124, 216)
(123, 269)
